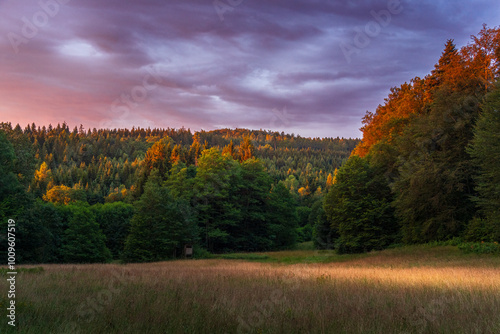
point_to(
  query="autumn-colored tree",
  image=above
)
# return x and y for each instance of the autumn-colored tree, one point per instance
(483, 57)
(246, 149)
(471, 70)
(390, 119)
(176, 154)
(331, 179)
(158, 156)
(64, 195)
(42, 179)
(231, 150)
(194, 150)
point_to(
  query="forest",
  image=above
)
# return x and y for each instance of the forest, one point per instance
(426, 170)
(428, 166)
(142, 194)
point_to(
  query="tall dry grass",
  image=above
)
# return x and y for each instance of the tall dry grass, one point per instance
(385, 293)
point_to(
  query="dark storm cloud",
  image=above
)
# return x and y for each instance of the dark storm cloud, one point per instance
(262, 64)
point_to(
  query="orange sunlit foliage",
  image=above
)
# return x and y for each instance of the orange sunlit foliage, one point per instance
(157, 156)
(390, 118)
(64, 195)
(471, 70)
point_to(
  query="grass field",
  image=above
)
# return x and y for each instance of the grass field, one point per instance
(419, 289)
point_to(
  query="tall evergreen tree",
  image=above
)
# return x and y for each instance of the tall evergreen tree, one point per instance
(14, 201)
(114, 220)
(282, 217)
(485, 151)
(252, 189)
(358, 207)
(214, 188)
(434, 187)
(10, 188)
(40, 233)
(83, 240)
(160, 227)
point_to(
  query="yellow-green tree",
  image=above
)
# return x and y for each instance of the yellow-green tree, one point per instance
(64, 195)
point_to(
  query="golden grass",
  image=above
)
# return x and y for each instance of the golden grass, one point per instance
(383, 292)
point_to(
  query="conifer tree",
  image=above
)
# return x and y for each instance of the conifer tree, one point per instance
(358, 208)
(485, 151)
(160, 226)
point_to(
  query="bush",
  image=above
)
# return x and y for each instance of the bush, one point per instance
(304, 233)
(201, 253)
(451, 242)
(479, 230)
(480, 247)
(454, 242)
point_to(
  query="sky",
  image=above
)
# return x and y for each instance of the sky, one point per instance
(308, 67)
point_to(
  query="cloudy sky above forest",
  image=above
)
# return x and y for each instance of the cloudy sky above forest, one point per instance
(307, 67)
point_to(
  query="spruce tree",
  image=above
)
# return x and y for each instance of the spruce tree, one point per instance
(485, 151)
(160, 226)
(358, 208)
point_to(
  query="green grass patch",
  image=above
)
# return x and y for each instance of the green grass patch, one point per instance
(480, 247)
(35, 270)
(243, 256)
(403, 256)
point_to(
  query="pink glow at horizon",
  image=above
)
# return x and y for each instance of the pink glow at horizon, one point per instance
(273, 65)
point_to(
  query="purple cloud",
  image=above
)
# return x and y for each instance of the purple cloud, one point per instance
(267, 65)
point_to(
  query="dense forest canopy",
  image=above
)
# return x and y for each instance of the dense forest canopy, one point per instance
(103, 162)
(222, 189)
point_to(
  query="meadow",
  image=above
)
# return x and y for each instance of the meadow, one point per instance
(414, 289)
